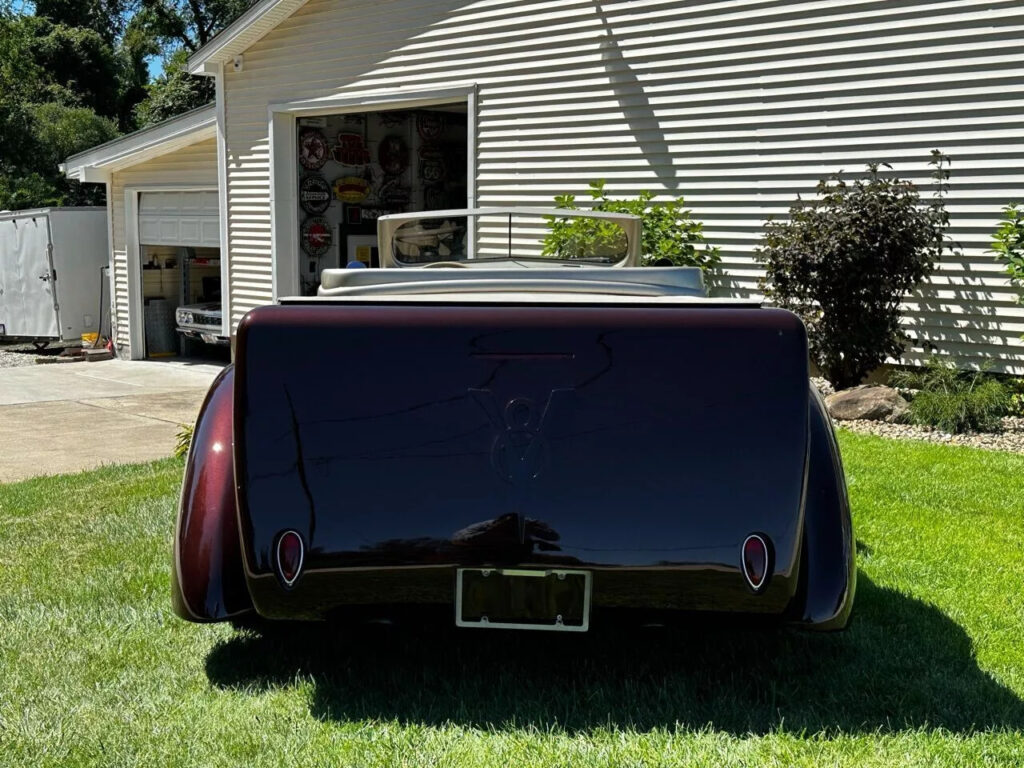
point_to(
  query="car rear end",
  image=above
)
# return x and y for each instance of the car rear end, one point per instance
(531, 464)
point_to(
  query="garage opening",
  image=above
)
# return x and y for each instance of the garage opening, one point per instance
(356, 167)
(180, 266)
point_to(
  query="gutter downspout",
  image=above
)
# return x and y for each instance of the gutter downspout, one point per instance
(222, 204)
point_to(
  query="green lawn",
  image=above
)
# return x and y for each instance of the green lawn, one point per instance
(96, 670)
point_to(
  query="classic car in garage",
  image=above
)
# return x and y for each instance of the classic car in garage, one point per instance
(512, 425)
(201, 321)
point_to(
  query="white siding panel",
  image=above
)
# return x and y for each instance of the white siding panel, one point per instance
(739, 105)
(194, 165)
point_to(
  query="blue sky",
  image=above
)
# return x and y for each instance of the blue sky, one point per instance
(156, 66)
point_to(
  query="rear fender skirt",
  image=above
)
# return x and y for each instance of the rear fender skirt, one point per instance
(828, 576)
(208, 583)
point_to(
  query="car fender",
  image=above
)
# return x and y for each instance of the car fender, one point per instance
(208, 581)
(828, 576)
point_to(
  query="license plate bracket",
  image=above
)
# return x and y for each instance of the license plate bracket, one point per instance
(554, 599)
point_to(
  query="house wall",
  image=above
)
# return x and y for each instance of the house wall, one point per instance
(195, 164)
(739, 105)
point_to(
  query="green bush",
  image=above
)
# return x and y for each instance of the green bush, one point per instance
(1008, 243)
(954, 400)
(1016, 387)
(183, 440)
(670, 234)
(844, 261)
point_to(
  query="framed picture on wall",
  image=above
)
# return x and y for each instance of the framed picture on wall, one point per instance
(362, 248)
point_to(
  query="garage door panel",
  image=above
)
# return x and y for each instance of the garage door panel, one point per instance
(198, 203)
(179, 218)
(210, 232)
(189, 231)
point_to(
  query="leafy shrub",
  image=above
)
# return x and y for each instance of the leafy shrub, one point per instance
(844, 261)
(1016, 406)
(183, 440)
(954, 400)
(670, 234)
(1008, 243)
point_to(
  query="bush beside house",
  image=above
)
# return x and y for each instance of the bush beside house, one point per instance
(845, 260)
(671, 236)
(1008, 244)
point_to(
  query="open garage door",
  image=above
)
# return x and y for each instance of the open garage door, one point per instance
(180, 268)
(354, 167)
(179, 219)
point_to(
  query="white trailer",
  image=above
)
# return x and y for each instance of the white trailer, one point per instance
(50, 272)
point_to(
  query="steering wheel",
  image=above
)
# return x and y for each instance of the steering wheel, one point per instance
(438, 264)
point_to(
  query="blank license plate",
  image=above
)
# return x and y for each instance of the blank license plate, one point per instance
(503, 598)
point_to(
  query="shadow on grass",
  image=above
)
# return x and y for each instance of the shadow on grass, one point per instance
(901, 664)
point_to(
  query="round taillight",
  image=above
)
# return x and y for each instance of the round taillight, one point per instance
(755, 561)
(290, 551)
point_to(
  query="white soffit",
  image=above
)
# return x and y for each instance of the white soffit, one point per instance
(97, 163)
(260, 18)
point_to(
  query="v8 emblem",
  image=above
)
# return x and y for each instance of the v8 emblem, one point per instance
(520, 452)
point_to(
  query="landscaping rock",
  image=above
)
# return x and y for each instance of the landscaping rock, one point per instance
(824, 386)
(867, 403)
(95, 355)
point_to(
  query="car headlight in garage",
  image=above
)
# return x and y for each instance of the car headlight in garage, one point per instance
(185, 318)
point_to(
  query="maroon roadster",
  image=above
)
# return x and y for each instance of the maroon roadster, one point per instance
(513, 425)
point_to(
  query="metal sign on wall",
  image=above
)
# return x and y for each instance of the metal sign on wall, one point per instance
(393, 155)
(314, 194)
(317, 236)
(351, 150)
(313, 150)
(351, 189)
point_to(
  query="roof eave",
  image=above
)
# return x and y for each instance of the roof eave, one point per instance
(256, 21)
(96, 164)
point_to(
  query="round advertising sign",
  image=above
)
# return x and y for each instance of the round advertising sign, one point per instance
(429, 125)
(393, 155)
(314, 194)
(316, 236)
(313, 149)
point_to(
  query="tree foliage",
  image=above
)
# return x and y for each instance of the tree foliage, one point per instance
(64, 131)
(174, 92)
(844, 261)
(75, 65)
(105, 17)
(74, 74)
(670, 235)
(190, 24)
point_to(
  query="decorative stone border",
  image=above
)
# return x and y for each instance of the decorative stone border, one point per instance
(1011, 439)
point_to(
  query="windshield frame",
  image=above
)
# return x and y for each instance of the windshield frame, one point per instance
(388, 226)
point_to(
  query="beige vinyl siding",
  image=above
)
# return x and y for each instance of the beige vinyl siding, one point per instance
(740, 105)
(194, 165)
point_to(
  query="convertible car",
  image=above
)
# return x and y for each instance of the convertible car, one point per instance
(513, 425)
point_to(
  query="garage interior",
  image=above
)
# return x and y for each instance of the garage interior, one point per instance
(356, 167)
(174, 277)
(180, 266)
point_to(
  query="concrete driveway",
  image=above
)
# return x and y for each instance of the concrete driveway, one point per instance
(72, 417)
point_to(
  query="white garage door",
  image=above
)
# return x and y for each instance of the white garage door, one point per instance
(179, 218)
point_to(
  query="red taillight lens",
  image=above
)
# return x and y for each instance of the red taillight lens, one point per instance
(755, 561)
(289, 556)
